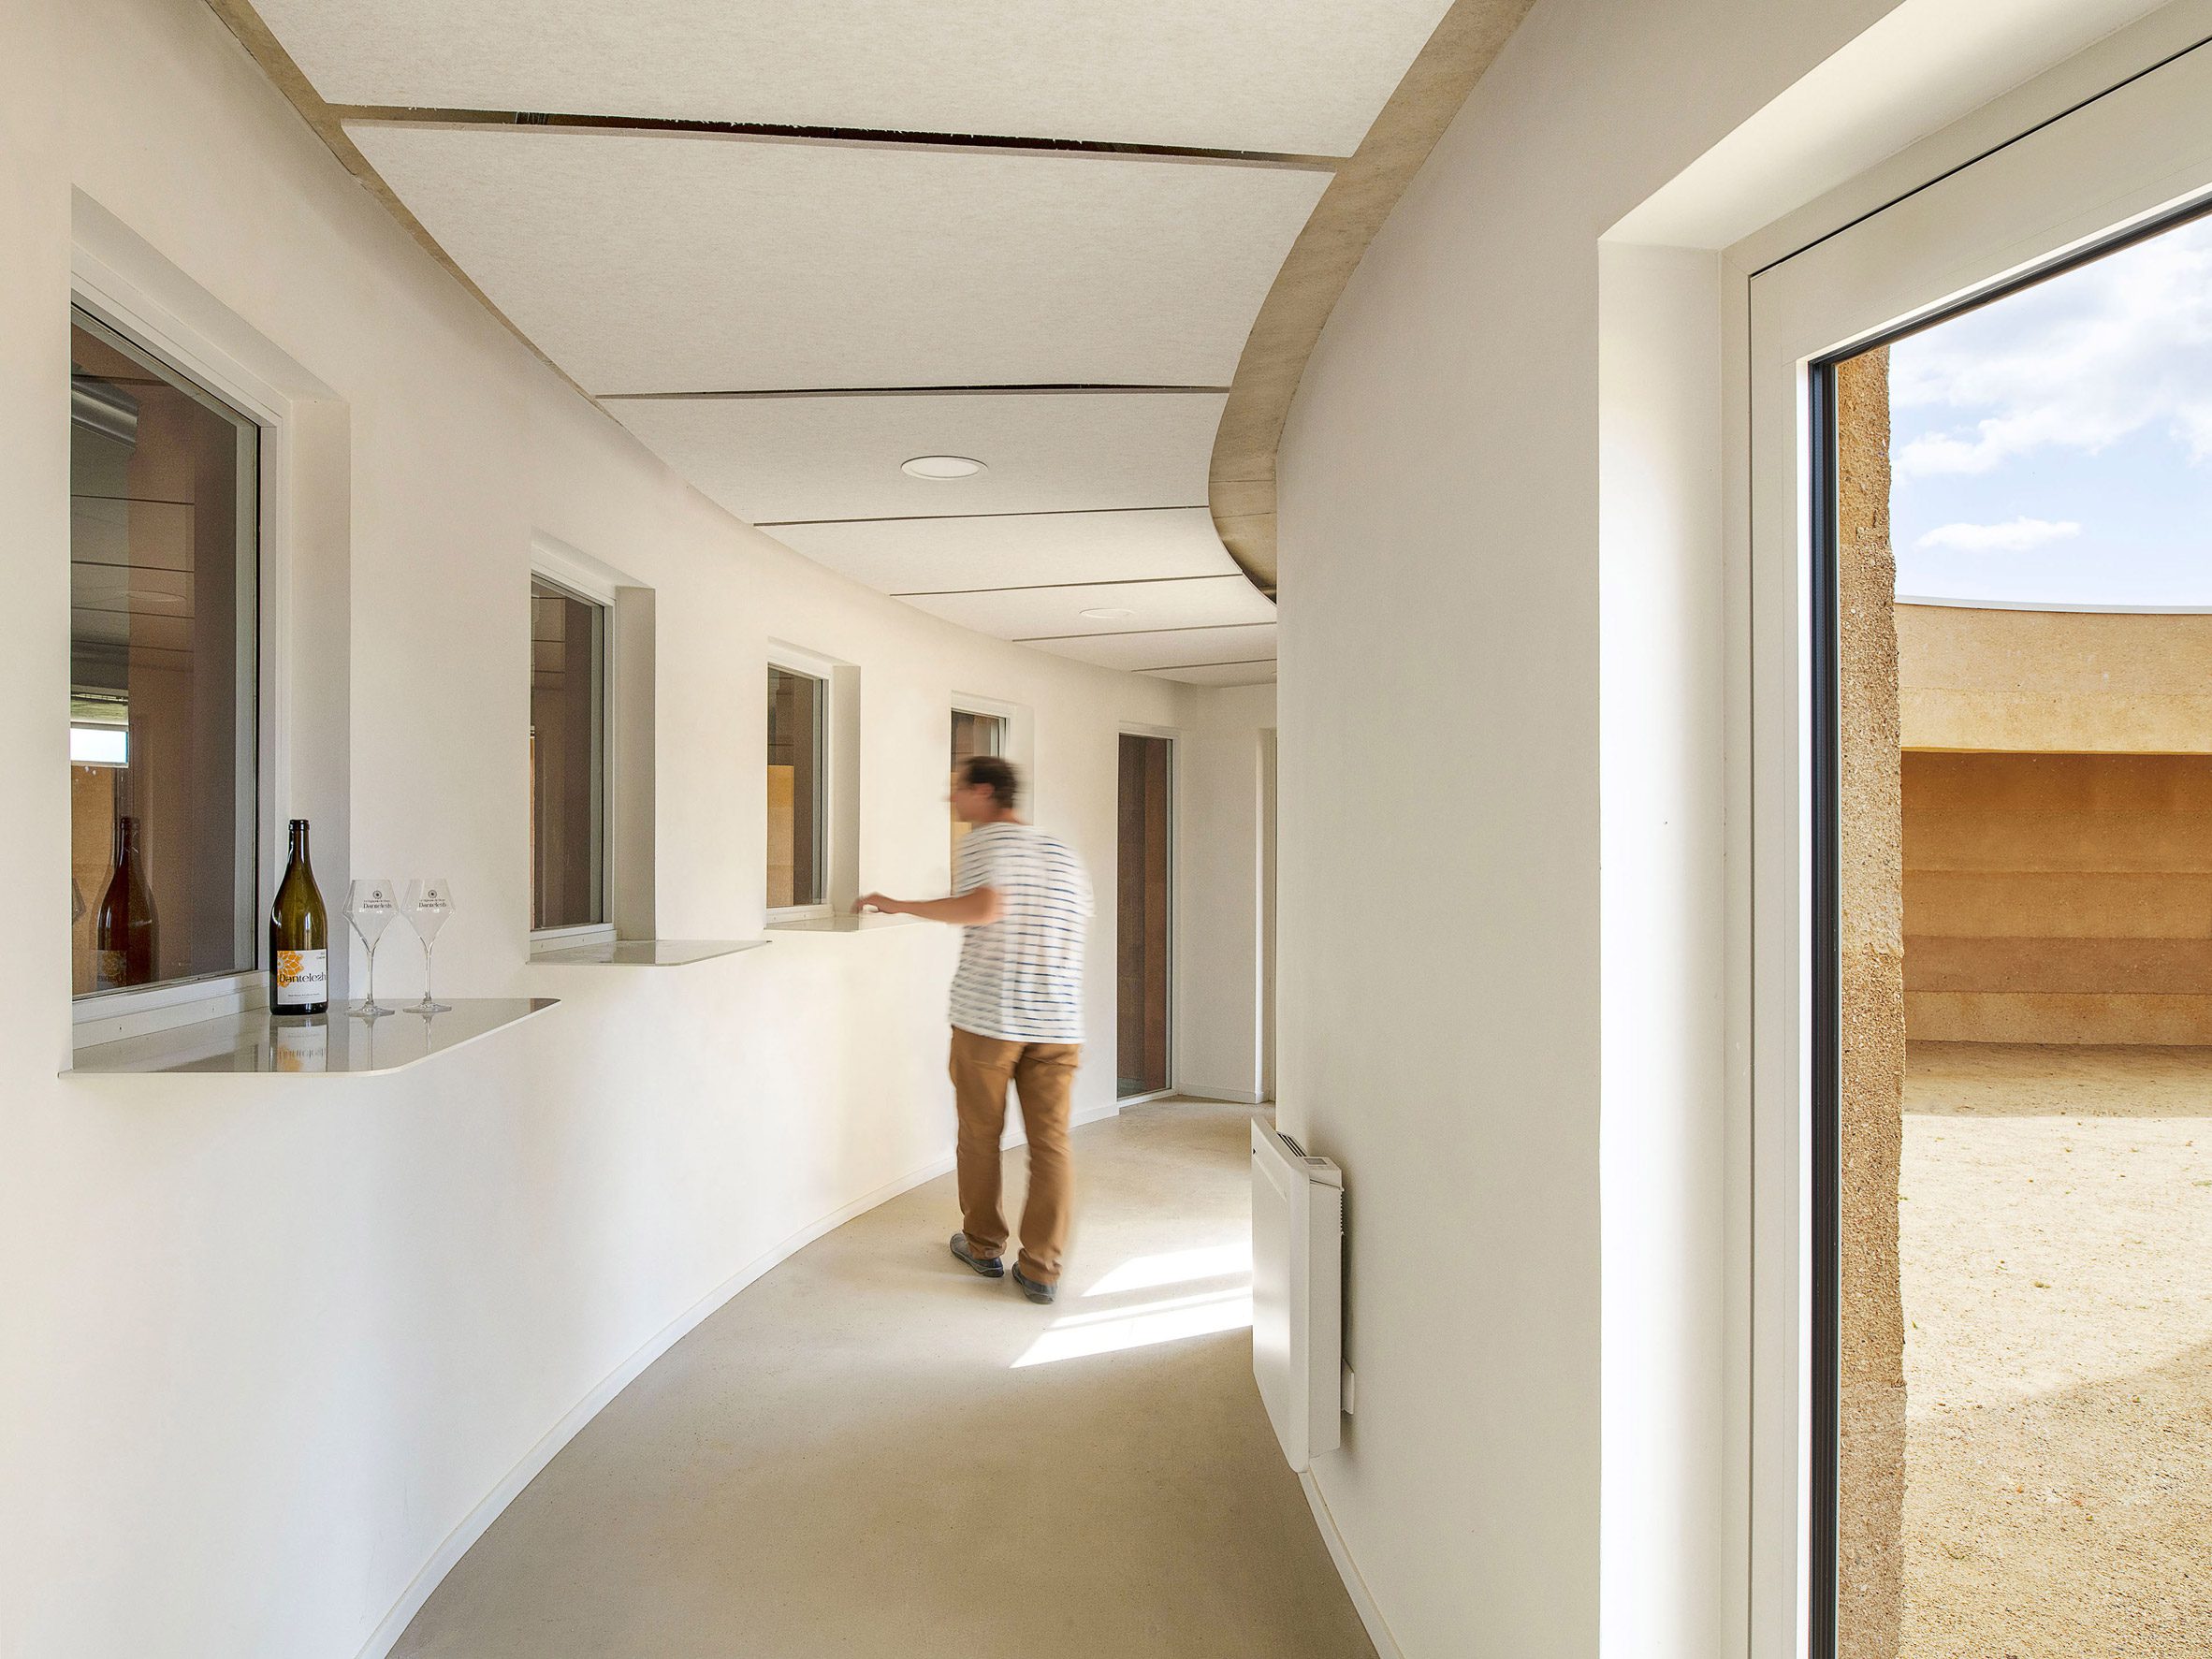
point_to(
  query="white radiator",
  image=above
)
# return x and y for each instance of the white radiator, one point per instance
(1298, 1294)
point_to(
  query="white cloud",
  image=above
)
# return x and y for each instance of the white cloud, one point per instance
(2078, 362)
(2016, 536)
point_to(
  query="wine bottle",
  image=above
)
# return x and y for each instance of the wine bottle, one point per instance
(124, 929)
(299, 937)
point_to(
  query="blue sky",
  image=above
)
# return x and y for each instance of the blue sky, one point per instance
(2056, 447)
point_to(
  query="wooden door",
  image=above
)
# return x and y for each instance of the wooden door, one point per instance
(1142, 903)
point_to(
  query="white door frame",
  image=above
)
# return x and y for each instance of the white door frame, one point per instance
(2128, 160)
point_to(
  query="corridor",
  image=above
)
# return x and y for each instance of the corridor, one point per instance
(872, 1452)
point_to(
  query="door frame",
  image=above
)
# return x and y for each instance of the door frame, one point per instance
(2121, 166)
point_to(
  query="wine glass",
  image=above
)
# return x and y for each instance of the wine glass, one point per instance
(370, 908)
(428, 905)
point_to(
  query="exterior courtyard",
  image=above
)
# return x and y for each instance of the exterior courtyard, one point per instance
(2055, 1227)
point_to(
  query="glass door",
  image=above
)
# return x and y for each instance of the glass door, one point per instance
(1980, 958)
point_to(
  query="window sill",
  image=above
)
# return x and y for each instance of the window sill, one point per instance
(111, 1016)
(646, 952)
(545, 941)
(336, 1043)
(867, 924)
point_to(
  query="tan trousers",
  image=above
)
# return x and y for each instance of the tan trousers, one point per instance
(1043, 1076)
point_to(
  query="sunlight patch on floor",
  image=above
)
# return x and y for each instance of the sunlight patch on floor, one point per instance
(1177, 1267)
(1114, 1330)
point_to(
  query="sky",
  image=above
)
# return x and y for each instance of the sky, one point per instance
(2056, 447)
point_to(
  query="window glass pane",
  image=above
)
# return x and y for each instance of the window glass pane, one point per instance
(567, 758)
(162, 574)
(795, 790)
(2015, 1328)
(973, 735)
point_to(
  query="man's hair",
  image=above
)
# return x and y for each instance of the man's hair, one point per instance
(992, 772)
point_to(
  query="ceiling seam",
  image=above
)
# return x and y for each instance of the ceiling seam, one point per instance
(1136, 632)
(938, 518)
(1238, 662)
(1050, 586)
(862, 137)
(1040, 387)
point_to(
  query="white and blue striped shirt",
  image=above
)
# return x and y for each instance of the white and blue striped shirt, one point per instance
(1021, 977)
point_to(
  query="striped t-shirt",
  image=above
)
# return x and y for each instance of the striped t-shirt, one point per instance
(1021, 977)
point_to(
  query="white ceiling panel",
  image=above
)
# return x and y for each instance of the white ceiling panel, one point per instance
(1011, 550)
(658, 262)
(1282, 76)
(1027, 613)
(1222, 674)
(1178, 648)
(779, 460)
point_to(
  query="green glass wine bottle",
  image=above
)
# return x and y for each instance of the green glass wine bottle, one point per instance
(299, 937)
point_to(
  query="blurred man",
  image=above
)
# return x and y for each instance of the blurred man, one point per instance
(1017, 1017)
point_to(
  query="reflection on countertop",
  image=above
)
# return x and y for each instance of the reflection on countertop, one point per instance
(867, 924)
(647, 953)
(332, 1045)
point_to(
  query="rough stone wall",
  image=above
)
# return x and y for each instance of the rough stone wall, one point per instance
(2058, 898)
(2054, 682)
(1871, 1479)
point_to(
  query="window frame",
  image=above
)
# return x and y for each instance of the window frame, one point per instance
(1021, 737)
(1005, 721)
(977, 709)
(785, 659)
(118, 302)
(557, 567)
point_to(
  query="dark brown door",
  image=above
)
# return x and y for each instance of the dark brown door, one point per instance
(1141, 916)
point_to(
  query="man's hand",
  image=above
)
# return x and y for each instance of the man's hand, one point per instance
(978, 908)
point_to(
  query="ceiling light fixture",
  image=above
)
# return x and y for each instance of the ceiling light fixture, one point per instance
(941, 467)
(1107, 612)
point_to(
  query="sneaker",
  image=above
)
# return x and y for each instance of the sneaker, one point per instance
(1032, 1289)
(991, 1266)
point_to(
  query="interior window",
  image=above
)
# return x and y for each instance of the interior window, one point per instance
(567, 757)
(164, 568)
(797, 704)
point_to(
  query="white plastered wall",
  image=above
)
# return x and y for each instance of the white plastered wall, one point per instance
(1218, 1026)
(1447, 932)
(1666, 1531)
(270, 1341)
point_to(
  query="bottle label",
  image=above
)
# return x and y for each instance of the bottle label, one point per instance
(303, 978)
(109, 973)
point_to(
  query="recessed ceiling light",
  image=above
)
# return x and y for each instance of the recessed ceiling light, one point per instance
(1107, 612)
(941, 466)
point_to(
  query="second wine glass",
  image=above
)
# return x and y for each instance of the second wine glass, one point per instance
(428, 904)
(370, 907)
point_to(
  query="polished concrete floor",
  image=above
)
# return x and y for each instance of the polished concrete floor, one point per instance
(873, 1452)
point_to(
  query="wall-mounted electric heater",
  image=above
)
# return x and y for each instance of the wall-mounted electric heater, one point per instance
(1298, 1294)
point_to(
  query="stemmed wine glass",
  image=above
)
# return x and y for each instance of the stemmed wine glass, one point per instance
(370, 907)
(428, 905)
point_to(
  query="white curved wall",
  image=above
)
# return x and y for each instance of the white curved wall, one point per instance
(268, 1341)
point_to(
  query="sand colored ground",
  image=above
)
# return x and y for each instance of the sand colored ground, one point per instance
(2056, 1218)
